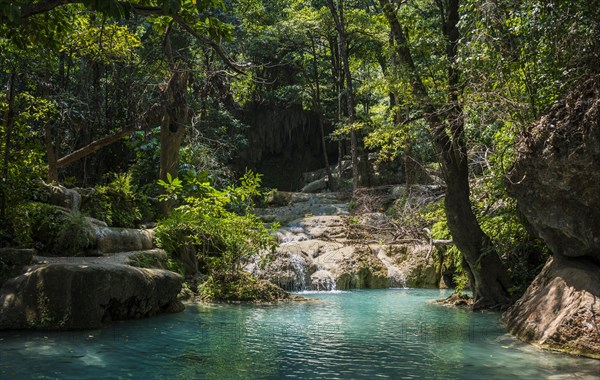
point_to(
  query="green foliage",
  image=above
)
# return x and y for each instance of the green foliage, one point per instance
(435, 216)
(145, 168)
(116, 203)
(239, 286)
(216, 224)
(150, 260)
(52, 230)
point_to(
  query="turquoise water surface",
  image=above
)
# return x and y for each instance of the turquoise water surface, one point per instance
(366, 334)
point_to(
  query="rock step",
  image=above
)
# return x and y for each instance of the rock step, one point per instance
(113, 239)
(125, 258)
(66, 296)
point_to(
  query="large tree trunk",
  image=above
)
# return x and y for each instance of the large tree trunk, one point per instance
(172, 128)
(338, 74)
(488, 278)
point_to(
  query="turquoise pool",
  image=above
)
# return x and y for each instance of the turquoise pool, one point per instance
(366, 334)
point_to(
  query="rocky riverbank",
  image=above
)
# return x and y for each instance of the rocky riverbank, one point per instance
(323, 247)
(66, 292)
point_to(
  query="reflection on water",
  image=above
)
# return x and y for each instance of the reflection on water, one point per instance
(394, 333)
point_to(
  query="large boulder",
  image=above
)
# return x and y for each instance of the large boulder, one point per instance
(556, 181)
(61, 196)
(84, 296)
(556, 177)
(559, 310)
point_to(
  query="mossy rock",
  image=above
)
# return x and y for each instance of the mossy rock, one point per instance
(53, 230)
(422, 276)
(155, 258)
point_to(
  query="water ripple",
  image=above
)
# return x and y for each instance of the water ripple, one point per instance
(387, 334)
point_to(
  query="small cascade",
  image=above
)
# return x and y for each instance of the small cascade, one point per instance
(299, 269)
(290, 234)
(322, 280)
(396, 278)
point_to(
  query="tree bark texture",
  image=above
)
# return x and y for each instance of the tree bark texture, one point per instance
(172, 128)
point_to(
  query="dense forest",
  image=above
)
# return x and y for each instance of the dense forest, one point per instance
(192, 113)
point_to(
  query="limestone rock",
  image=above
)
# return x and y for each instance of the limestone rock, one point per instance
(77, 296)
(412, 261)
(555, 178)
(328, 248)
(560, 309)
(290, 207)
(113, 239)
(61, 196)
(556, 182)
(361, 270)
(315, 186)
(322, 280)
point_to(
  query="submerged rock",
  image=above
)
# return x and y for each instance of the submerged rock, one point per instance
(556, 182)
(84, 296)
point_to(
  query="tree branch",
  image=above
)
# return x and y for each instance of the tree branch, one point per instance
(91, 148)
(43, 7)
(207, 41)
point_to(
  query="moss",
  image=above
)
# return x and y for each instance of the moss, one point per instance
(148, 260)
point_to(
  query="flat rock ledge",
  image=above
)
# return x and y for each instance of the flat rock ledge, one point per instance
(67, 296)
(561, 308)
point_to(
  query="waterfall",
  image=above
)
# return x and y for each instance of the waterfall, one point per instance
(322, 280)
(299, 269)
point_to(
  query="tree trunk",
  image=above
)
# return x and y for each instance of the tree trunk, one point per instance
(8, 126)
(488, 278)
(338, 74)
(51, 153)
(337, 12)
(319, 110)
(172, 128)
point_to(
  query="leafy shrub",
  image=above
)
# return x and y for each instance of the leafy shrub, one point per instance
(239, 286)
(116, 203)
(217, 225)
(52, 229)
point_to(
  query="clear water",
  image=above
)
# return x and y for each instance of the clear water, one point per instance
(369, 334)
